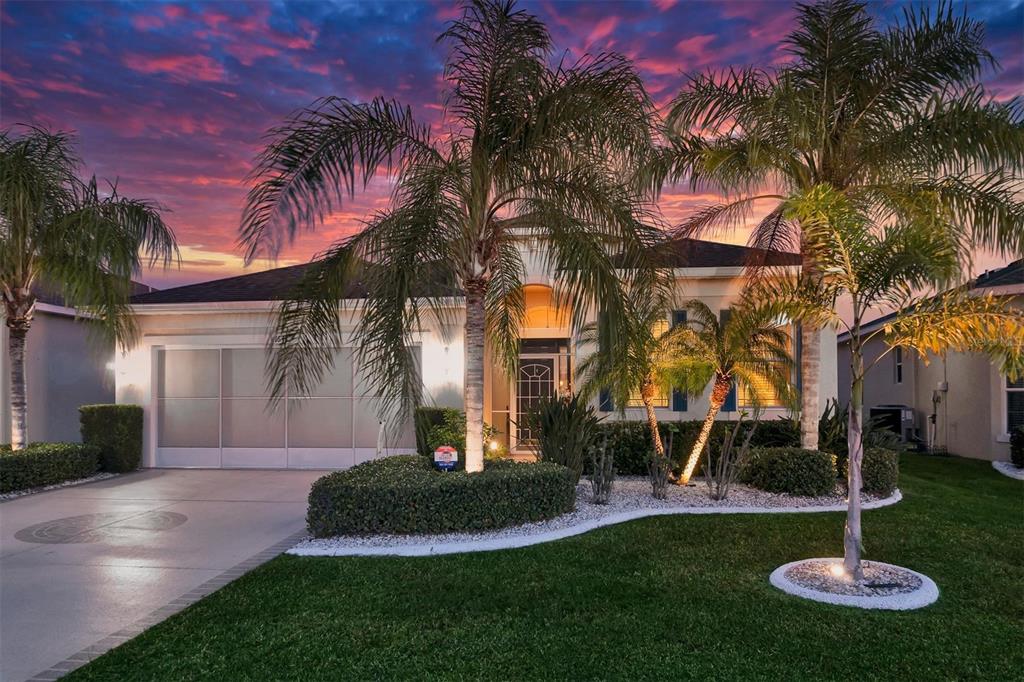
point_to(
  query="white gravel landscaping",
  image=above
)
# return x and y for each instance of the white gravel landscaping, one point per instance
(630, 499)
(65, 484)
(1007, 469)
(886, 587)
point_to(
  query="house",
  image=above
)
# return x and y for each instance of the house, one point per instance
(959, 403)
(198, 369)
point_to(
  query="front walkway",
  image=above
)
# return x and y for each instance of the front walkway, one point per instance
(83, 567)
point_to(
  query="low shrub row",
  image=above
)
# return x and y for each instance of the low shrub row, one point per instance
(41, 464)
(630, 441)
(405, 494)
(879, 471)
(790, 470)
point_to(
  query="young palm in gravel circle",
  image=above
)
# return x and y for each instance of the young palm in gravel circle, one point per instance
(77, 240)
(529, 151)
(889, 266)
(894, 116)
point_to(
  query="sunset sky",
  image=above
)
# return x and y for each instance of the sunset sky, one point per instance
(171, 100)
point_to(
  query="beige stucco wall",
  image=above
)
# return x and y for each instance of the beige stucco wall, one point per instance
(970, 417)
(64, 369)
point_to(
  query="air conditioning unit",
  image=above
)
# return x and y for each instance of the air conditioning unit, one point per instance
(896, 418)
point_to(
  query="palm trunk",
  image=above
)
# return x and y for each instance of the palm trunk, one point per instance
(647, 395)
(718, 395)
(852, 533)
(19, 393)
(473, 391)
(810, 373)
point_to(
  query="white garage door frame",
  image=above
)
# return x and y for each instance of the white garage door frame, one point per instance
(222, 457)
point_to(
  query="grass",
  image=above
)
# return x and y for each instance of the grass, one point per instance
(683, 597)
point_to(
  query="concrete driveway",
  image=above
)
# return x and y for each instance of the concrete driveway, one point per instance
(86, 567)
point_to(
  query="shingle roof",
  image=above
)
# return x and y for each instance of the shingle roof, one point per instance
(696, 253)
(277, 284)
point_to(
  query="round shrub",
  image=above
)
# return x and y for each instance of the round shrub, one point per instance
(406, 495)
(879, 471)
(791, 470)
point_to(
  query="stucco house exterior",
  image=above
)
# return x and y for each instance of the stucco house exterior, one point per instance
(959, 403)
(198, 369)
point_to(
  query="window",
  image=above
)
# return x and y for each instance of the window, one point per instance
(761, 392)
(661, 396)
(897, 356)
(1014, 404)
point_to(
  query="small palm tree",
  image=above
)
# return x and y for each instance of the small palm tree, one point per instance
(60, 232)
(746, 348)
(893, 117)
(876, 266)
(632, 364)
(528, 153)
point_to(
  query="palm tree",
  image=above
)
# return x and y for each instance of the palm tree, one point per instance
(884, 267)
(60, 232)
(894, 117)
(633, 365)
(747, 348)
(528, 152)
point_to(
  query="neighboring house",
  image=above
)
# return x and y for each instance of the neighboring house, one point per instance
(959, 403)
(199, 368)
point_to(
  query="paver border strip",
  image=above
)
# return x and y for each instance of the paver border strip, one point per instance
(1007, 469)
(515, 541)
(927, 593)
(80, 658)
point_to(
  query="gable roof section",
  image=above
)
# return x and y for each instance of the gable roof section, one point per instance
(277, 284)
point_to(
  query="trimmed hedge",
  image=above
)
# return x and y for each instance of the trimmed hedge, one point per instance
(630, 441)
(117, 431)
(404, 494)
(879, 471)
(791, 470)
(42, 464)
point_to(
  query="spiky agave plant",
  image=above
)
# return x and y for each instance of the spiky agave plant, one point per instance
(529, 151)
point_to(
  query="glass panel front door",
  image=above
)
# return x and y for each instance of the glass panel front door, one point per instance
(535, 380)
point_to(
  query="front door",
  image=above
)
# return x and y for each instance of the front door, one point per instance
(534, 381)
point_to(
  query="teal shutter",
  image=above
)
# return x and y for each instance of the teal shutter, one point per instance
(730, 400)
(678, 397)
(605, 403)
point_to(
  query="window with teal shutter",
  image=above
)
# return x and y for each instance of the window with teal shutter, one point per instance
(604, 401)
(678, 397)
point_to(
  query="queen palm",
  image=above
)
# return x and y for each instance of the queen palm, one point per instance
(528, 152)
(894, 117)
(884, 267)
(61, 233)
(746, 347)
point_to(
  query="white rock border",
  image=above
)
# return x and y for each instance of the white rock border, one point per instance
(924, 595)
(512, 542)
(1007, 469)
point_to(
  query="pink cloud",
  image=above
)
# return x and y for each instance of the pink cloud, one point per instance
(664, 5)
(64, 86)
(602, 29)
(147, 22)
(181, 68)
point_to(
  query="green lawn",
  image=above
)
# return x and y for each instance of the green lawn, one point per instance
(683, 597)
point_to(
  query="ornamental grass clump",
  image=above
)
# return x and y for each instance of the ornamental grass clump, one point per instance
(563, 429)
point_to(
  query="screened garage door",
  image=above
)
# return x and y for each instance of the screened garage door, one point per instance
(212, 411)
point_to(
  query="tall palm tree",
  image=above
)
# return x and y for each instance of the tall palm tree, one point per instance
(883, 267)
(895, 117)
(59, 231)
(746, 348)
(528, 152)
